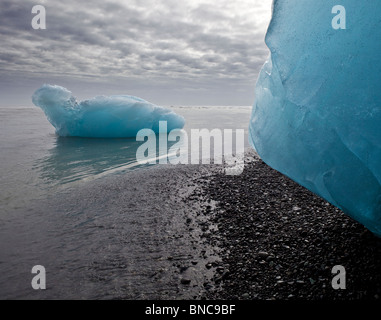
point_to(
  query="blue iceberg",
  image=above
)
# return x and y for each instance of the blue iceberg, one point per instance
(317, 114)
(102, 117)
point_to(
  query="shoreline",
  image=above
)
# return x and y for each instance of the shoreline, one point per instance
(189, 232)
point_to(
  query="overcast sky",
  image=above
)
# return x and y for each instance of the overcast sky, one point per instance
(170, 52)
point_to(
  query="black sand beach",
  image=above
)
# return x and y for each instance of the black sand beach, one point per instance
(279, 241)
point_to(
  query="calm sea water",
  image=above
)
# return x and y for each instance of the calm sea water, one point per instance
(34, 161)
(36, 165)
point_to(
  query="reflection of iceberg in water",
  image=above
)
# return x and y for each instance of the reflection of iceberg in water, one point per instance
(74, 159)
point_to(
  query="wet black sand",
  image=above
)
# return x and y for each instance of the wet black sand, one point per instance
(279, 241)
(132, 236)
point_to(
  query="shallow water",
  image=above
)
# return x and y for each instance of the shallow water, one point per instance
(66, 203)
(34, 160)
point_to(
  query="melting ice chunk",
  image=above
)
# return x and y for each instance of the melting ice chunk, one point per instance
(102, 117)
(317, 115)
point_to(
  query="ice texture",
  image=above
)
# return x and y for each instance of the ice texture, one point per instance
(102, 117)
(317, 114)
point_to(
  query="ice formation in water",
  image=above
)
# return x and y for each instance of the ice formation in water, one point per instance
(102, 117)
(317, 115)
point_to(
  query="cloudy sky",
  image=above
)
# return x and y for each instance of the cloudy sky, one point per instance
(170, 52)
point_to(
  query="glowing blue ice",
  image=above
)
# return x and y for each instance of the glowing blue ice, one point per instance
(101, 117)
(317, 115)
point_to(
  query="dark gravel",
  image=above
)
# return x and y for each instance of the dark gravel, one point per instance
(277, 240)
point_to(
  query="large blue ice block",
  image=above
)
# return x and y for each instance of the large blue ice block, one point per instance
(317, 114)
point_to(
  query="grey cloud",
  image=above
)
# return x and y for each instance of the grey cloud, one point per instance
(199, 41)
